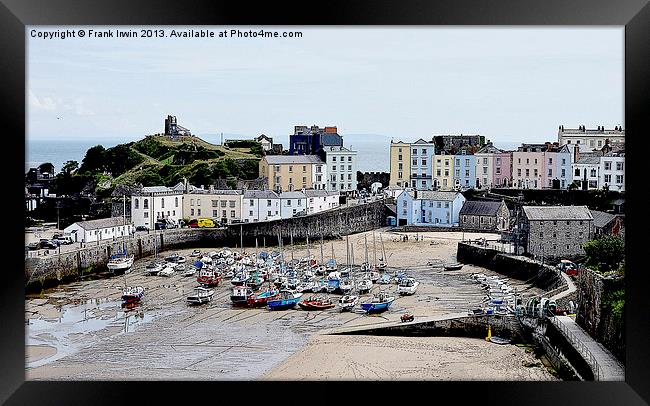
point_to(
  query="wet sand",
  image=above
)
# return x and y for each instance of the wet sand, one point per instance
(164, 338)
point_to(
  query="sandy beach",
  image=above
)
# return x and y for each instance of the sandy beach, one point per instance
(93, 338)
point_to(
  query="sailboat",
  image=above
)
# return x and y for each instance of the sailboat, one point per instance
(132, 294)
(382, 261)
(121, 262)
(347, 302)
(379, 303)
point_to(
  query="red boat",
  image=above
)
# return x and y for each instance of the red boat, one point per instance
(261, 299)
(315, 303)
(208, 278)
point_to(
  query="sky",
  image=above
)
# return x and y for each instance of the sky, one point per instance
(509, 84)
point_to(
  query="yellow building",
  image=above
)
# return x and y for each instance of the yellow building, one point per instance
(443, 172)
(287, 173)
(400, 164)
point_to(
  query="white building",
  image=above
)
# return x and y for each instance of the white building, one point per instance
(321, 200)
(590, 140)
(341, 169)
(426, 207)
(219, 205)
(260, 205)
(612, 172)
(101, 229)
(319, 175)
(292, 203)
(267, 142)
(586, 172)
(156, 202)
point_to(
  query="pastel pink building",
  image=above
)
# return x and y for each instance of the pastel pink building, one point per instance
(502, 173)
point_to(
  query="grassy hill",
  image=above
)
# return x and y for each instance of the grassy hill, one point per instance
(162, 161)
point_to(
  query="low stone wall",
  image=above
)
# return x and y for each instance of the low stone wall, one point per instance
(592, 314)
(425, 229)
(545, 277)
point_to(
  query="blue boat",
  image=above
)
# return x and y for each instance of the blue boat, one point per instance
(379, 303)
(287, 300)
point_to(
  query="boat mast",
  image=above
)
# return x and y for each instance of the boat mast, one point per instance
(322, 260)
(383, 252)
(374, 249)
(365, 237)
(307, 243)
(291, 243)
(347, 250)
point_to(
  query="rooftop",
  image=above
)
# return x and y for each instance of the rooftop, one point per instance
(293, 159)
(436, 195)
(588, 160)
(101, 223)
(292, 195)
(260, 194)
(480, 208)
(557, 213)
(601, 218)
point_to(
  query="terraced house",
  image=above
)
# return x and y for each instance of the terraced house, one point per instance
(219, 205)
(400, 164)
(429, 207)
(292, 172)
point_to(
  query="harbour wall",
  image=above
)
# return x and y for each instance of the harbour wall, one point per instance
(47, 271)
(545, 277)
(594, 314)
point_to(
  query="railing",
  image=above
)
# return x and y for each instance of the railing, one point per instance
(579, 346)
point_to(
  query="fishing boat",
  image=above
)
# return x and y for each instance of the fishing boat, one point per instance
(407, 286)
(364, 285)
(331, 265)
(320, 270)
(262, 298)
(240, 279)
(175, 258)
(373, 276)
(195, 253)
(132, 294)
(452, 267)
(167, 271)
(286, 300)
(319, 286)
(379, 303)
(255, 281)
(208, 277)
(347, 302)
(345, 272)
(316, 303)
(240, 295)
(179, 267)
(154, 267)
(346, 286)
(201, 295)
(333, 281)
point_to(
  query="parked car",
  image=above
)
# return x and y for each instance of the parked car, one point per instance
(33, 246)
(160, 226)
(45, 243)
(141, 228)
(194, 223)
(568, 267)
(62, 239)
(205, 223)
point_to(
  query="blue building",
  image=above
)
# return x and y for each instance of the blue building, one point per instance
(464, 171)
(429, 208)
(309, 140)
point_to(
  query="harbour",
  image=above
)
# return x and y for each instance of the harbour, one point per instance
(165, 338)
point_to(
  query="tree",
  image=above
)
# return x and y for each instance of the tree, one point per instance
(69, 167)
(94, 161)
(46, 167)
(605, 252)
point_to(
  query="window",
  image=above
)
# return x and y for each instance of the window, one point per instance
(215, 203)
(415, 162)
(399, 175)
(304, 179)
(349, 176)
(191, 202)
(289, 202)
(198, 203)
(446, 172)
(173, 212)
(608, 165)
(334, 158)
(457, 162)
(527, 172)
(146, 214)
(146, 204)
(277, 168)
(563, 173)
(399, 157)
(299, 202)
(563, 161)
(550, 161)
(424, 162)
(137, 204)
(251, 202)
(447, 205)
(223, 203)
(304, 168)
(290, 180)
(342, 167)
(458, 173)
(223, 213)
(467, 162)
(580, 234)
(162, 203)
(446, 162)
(535, 171)
(519, 159)
(498, 171)
(608, 178)
(619, 166)
(268, 202)
(619, 179)
(593, 173)
(577, 172)
(485, 170)
(527, 161)
(535, 161)
(231, 203)
(215, 213)
(600, 143)
(591, 143)
(349, 159)
(399, 166)
(191, 212)
(519, 172)
(290, 168)
(250, 212)
(415, 151)
(438, 172)
(350, 166)
(498, 161)
(232, 213)
(176, 202)
(342, 177)
(268, 213)
(550, 172)
(439, 204)
(467, 173)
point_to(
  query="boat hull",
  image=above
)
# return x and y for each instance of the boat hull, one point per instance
(376, 307)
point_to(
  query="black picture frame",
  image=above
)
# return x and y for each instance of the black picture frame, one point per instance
(633, 14)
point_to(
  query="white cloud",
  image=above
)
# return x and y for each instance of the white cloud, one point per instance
(45, 103)
(77, 106)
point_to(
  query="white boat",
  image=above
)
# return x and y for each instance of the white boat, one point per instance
(364, 285)
(407, 286)
(167, 271)
(132, 294)
(179, 267)
(191, 271)
(347, 302)
(120, 263)
(452, 267)
(201, 295)
(154, 267)
(195, 253)
(373, 276)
